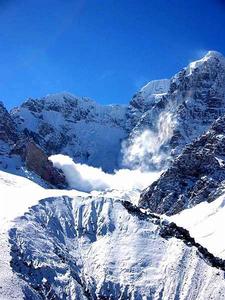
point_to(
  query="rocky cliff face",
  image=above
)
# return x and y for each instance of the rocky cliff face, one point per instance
(195, 176)
(19, 153)
(8, 131)
(36, 160)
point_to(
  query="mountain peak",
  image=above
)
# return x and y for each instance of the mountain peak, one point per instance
(214, 54)
(210, 58)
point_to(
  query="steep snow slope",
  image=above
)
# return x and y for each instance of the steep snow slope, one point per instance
(17, 195)
(205, 222)
(94, 246)
(78, 127)
(147, 97)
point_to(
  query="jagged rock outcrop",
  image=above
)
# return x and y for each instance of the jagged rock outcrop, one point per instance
(145, 99)
(8, 131)
(17, 151)
(37, 161)
(195, 176)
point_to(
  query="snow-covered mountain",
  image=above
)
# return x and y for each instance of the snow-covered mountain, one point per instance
(197, 175)
(194, 99)
(105, 241)
(78, 127)
(161, 118)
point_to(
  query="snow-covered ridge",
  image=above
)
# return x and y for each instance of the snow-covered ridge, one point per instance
(210, 56)
(17, 195)
(93, 134)
(91, 245)
(205, 222)
(95, 249)
(75, 126)
(194, 101)
(197, 175)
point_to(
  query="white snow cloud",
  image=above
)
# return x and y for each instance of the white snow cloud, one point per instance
(145, 148)
(86, 178)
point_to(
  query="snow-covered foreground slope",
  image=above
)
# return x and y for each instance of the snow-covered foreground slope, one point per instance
(205, 222)
(17, 194)
(93, 246)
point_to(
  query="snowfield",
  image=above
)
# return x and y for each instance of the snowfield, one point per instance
(205, 222)
(94, 247)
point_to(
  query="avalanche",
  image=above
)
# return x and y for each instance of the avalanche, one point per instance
(86, 178)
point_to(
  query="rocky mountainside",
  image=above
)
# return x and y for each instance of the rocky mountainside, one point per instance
(8, 130)
(195, 98)
(198, 174)
(162, 117)
(20, 155)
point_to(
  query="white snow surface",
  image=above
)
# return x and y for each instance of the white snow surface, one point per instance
(17, 194)
(209, 56)
(155, 87)
(205, 222)
(110, 247)
(76, 126)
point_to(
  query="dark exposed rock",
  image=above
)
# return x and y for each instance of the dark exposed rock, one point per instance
(36, 160)
(8, 131)
(195, 176)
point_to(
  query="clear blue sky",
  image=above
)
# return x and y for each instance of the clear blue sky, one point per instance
(104, 49)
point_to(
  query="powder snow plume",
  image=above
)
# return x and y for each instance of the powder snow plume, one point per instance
(145, 150)
(86, 178)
